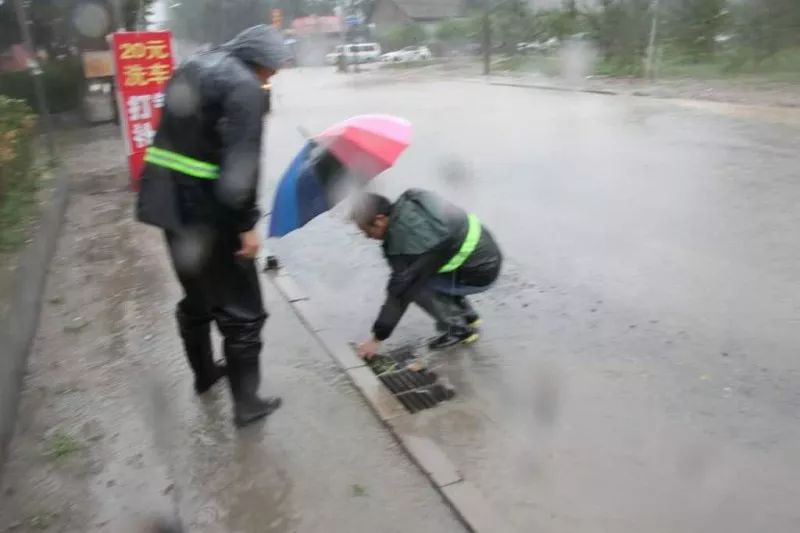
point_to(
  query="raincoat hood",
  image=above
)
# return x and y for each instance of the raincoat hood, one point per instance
(260, 45)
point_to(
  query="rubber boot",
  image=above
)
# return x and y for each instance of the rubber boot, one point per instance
(196, 335)
(248, 406)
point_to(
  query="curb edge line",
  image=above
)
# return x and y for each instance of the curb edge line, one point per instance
(461, 512)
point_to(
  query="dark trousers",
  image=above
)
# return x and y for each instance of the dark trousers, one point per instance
(218, 287)
(445, 301)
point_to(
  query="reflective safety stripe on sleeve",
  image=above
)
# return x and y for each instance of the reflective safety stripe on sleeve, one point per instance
(467, 247)
(181, 163)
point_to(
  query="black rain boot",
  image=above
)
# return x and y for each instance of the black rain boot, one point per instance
(196, 335)
(241, 326)
(208, 380)
(248, 406)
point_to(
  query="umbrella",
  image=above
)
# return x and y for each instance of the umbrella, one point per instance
(351, 152)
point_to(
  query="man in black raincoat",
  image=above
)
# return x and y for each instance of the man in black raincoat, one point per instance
(438, 254)
(199, 185)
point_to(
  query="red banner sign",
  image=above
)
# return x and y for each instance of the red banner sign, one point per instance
(143, 64)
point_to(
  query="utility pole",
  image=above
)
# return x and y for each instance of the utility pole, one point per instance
(486, 34)
(119, 23)
(649, 66)
(343, 34)
(36, 73)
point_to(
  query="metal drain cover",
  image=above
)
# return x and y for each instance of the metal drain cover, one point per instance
(407, 378)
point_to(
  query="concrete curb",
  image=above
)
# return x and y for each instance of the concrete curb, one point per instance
(557, 88)
(641, 92)
(18, 327)
(463, 497)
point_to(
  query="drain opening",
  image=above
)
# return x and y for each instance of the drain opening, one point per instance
(406, 377)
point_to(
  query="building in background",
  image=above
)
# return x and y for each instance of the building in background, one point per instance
(388, 14)
(314, 37)
(14, 58)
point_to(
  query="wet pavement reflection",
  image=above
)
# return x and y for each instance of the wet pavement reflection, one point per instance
(637, 370)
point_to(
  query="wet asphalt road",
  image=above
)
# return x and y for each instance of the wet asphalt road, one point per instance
(638, 369)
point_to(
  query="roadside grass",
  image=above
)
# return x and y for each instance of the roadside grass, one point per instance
(408, 65)
(733, 65)
(18, 210)
(61, 446)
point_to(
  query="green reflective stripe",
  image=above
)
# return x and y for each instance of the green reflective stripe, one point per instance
(155, 150)
(172, 164)
(181, 163)
(467, 247)
(180, 167)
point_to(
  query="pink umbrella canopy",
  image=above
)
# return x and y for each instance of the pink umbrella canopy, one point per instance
(367, 144)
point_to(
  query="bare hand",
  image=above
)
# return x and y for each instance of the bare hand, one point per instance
(368, 349)
(251, 242)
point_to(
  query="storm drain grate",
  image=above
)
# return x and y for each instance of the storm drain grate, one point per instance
(406, 377)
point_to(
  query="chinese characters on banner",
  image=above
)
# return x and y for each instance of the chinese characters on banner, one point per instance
(143, 63)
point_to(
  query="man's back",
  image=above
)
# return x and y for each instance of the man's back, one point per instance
(195, 104)
(203, 166)
(422, 221)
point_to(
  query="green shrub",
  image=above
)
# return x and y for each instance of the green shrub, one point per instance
(17, 185)
(402, 36)
(459, 31)
(63, 84)
(16, 137)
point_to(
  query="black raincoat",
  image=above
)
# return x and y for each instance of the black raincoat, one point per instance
(424, 232)
(213, 112)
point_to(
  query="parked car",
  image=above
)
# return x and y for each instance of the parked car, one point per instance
(540, 46)
(355, 53)
(409, 53)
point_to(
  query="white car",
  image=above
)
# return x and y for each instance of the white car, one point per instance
(409, 53)
(355, 53)
(541, 46)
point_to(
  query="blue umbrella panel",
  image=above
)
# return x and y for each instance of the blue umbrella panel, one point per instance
(307, 189)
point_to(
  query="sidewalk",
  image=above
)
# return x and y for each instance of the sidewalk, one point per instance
(110, 435)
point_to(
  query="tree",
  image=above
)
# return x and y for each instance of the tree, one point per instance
(556, 23)
(293, 9)
(693, 25)
(402, 36)
(215, 21)
(512, 22)
(458, 31)
(571, 8)
(318, 7)
(621, 29)
(9, 30)
(52, 22)
(767, 26)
